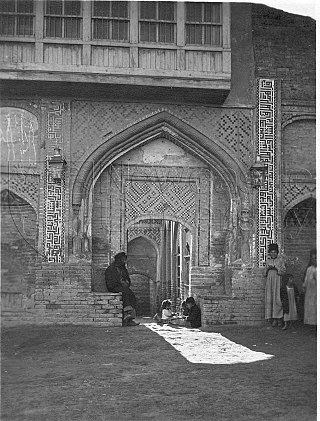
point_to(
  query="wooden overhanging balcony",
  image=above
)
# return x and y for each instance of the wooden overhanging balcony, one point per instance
(176, 57)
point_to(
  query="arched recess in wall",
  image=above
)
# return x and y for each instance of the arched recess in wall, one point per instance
(142, 266)
(298, 189)
(18, 251)
(162, 125)
(299, 228)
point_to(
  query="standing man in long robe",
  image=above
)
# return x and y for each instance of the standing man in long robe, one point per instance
(118, 280)
(275, 268)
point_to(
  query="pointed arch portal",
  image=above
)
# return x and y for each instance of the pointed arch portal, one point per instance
(160, 124)
(202, 198)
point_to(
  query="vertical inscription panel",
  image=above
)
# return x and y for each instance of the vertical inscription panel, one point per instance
(266, 149)
(54, 190)
(54, 239)
(55, 112)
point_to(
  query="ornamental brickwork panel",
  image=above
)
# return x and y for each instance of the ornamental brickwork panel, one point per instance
(54, 125)
(54, 249)
(54, 190)
(266, 149)
(153, 233)
(94, 121)
(170, 198)
(24, 185)
(235, 131)
(295, 192)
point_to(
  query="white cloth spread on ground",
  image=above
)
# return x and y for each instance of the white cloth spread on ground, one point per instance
(206, 347)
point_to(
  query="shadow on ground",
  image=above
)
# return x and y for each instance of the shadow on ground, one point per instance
(72, 373)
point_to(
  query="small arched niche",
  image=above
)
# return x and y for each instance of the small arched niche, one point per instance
(300, 236)
(18, 252)
(142, 266)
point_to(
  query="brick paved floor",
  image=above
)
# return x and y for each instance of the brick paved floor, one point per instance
(72, 373)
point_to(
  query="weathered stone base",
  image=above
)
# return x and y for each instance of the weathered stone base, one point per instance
(63, 296)
(245, 306)
(99, 309)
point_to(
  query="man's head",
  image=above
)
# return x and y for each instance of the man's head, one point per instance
(120, 257)
(287, 279)
(190, 302)
(313, 257)
(273, 250)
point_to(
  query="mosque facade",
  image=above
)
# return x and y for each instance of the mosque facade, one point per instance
(180, 133)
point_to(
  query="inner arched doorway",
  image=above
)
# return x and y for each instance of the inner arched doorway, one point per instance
(161, 192)
(163, 178)
(300, 236)
(159, 263)
(142, 266)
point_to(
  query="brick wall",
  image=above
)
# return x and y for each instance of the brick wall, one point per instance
(244, 307)
(299, 149)
(298, 241)
(285, 48)
(63, 295)
(18, 255)
(207, 280)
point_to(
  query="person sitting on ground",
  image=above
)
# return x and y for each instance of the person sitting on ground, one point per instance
(118, 280)
(194, 315)
(289, 295)
(184, 309)
(165, 311)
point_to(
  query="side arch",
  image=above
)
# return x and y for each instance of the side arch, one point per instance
(296, 202)
(293, 119)
(161, 124)
(7, 191)
(19, 237)
(300, 235)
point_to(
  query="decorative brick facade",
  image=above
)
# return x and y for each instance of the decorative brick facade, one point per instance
(163, 176)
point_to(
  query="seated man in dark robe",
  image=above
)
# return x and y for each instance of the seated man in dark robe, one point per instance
(194, 314)
(118, 280)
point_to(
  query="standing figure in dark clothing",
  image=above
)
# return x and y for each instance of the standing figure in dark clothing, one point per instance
(194, 314)
(118, 280)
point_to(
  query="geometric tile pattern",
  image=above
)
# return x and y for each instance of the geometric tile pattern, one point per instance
(235, 131)
(54, 126)
(301, 215)
(266, 149)
(24, 185)
(92, 120)
(54, 219)
(295, 190)
(152, 233)
(54, 191)
(169, 198)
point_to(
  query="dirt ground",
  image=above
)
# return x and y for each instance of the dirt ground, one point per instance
(72, 373)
